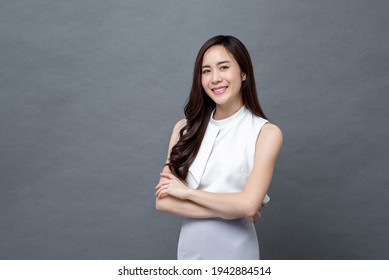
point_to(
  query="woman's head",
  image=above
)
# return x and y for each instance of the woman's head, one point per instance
(198, 98)
(222, 79)
(199, 106)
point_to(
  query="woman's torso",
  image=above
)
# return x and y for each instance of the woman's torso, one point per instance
(223, 163)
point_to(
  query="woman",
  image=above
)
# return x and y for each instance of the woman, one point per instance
(221, 157)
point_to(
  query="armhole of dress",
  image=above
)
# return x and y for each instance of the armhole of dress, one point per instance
(258, 132)
(266, 199)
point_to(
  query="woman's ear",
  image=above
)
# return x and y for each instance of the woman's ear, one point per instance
(243, 76)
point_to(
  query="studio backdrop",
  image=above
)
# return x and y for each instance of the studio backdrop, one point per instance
(90, 91)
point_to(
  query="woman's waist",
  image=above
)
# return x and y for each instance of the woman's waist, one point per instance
(217, 223)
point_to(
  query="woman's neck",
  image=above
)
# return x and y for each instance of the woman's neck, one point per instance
(225, 111)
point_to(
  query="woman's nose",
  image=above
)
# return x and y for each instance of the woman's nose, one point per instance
(216, 77)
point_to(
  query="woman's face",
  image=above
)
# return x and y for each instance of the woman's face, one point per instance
(221, 77)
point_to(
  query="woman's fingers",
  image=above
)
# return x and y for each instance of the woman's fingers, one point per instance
(168, 175)
(171, 186)
(162, 188)
(164, 183)
(259, 215)
(162, 191)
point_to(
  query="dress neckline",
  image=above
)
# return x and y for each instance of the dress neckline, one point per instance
(230, 120)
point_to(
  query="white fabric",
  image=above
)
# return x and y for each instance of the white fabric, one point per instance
(223, 164)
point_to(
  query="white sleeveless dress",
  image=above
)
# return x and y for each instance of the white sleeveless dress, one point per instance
(223, 163)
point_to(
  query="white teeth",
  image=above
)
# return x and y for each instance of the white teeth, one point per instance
(219, 90)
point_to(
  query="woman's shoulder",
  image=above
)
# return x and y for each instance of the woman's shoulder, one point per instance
(271, 132)
(177, 128)
(176, 132)
(179, 125)
(271, 128)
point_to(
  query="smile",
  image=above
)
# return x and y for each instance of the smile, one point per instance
(219, 90)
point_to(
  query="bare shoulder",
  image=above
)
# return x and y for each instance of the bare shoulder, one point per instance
(176, 132)
(270, 130)
(180, 124)
(270, 137)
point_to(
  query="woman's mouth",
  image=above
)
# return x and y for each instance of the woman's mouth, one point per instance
(219, 90)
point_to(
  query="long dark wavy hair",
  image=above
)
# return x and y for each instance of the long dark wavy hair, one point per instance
(199, 106)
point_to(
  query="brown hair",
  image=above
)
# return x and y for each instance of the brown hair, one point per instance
(199, 106)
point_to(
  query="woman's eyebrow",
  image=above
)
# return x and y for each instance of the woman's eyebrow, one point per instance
(221, 62)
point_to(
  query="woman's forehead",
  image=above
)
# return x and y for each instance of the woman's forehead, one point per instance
(217, 54)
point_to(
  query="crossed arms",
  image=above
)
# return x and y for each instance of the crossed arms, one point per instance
(173, 196)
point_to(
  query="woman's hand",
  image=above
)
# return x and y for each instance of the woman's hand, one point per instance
(258, 215)
(171, 186)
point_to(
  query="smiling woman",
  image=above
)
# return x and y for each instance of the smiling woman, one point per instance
(222, 79)
(221, 157)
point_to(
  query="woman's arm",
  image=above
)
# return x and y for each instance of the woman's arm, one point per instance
(240, 204)
(171, 204)
(184, 208)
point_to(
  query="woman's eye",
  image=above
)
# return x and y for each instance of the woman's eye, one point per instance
(205, 71)
(224, 67)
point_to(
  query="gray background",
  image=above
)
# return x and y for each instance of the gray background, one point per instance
(90, 91)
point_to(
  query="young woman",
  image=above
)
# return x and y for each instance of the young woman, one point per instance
(221, 157)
